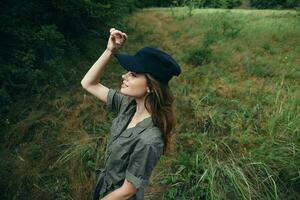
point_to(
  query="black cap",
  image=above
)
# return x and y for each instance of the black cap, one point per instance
(151, 60)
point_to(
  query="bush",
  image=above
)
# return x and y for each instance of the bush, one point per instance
(220, 3)
(153, 3)
(275, 3)
(233, 3)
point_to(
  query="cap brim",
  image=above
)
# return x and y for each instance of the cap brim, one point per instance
(129, 62)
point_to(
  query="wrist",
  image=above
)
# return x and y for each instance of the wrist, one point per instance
(110, 50)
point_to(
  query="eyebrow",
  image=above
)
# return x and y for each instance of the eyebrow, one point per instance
(133, 73)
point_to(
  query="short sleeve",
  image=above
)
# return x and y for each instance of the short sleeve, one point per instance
(115, 100)
(142, 162)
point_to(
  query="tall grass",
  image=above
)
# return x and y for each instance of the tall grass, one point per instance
(238, 102)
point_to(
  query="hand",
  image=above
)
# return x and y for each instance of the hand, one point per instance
(116, 40)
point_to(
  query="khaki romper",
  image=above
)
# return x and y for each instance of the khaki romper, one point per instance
(131, 153)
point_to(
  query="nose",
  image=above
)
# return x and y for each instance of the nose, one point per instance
(124, 76)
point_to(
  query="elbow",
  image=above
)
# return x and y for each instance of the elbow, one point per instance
(86, 84)
(83, 84)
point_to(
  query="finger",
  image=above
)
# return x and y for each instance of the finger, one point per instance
(116, 32)
(125, 36)
(112, 29)
(112, 37)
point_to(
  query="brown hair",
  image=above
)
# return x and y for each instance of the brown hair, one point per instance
(160, 101)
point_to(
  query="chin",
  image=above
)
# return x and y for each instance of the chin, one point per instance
(123, 91)
(127, 92)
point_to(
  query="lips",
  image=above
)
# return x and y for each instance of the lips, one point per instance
(124, 84)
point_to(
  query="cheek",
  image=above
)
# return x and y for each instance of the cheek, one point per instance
(139, 87)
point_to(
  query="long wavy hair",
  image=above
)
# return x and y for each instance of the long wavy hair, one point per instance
(159, 102)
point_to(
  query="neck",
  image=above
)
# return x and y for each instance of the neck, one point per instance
(141, 111)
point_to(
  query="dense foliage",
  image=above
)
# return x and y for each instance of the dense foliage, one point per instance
(235, 3)
(153, 3)
(275, 3)
(220, 3)
(37, 35)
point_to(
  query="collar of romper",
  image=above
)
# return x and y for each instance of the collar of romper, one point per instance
(145, 123)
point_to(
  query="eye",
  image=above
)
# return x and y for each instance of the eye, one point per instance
(133, 74)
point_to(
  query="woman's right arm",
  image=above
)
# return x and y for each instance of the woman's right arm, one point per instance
(90, 81)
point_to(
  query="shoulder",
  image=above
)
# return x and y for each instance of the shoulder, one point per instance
(116, 101)
(114, 94)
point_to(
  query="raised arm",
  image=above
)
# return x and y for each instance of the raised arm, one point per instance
(90, 81)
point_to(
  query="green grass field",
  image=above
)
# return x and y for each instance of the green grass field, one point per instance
(237, 105)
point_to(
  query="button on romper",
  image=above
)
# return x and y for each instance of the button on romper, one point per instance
(130, 153)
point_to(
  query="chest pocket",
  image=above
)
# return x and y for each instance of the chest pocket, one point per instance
(119, 144)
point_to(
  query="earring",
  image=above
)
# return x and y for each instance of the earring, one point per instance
(148, 91)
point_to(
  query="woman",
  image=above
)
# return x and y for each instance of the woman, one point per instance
(141, 131)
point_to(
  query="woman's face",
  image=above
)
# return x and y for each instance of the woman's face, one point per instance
(134, 84)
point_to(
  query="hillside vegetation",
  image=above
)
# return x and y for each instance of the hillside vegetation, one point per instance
(237, 105)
